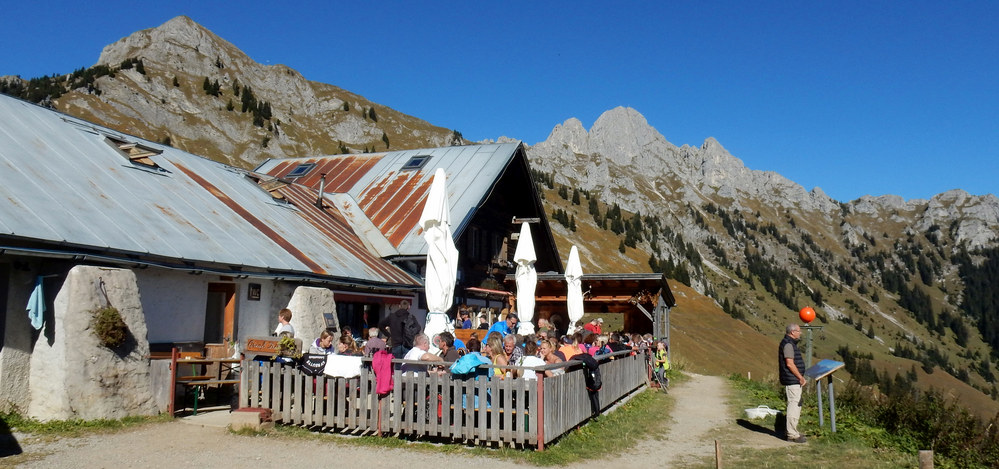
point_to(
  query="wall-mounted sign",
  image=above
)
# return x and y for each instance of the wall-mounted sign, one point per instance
(262, 345)
(253, 292)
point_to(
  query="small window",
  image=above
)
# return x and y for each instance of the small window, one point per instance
(136, 153)
(301, 170)
(416, 162)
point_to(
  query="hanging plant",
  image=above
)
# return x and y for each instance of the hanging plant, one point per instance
(109, 327)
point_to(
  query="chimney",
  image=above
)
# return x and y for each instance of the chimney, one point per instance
(322, 188)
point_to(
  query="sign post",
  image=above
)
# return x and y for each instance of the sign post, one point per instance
(825, 369)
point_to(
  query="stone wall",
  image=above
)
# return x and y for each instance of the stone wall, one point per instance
(72, 375)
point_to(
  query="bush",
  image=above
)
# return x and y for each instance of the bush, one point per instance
(109, 327)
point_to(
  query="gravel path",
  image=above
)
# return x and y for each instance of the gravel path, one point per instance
(701, 415)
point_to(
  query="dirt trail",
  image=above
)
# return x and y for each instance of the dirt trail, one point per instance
(700, 416)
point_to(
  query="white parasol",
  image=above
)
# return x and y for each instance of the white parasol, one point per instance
(527, 279)
(442, 259)
(574, 296)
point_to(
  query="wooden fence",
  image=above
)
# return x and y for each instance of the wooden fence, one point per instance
(438, 405)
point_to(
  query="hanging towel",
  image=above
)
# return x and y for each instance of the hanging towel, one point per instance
(36, 304)
(381, 363)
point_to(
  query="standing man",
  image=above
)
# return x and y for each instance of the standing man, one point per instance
(401, 328)
(509, 326)
(284, 323)
(790, 366)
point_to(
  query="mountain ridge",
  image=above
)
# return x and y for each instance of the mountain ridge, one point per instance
(167, 102)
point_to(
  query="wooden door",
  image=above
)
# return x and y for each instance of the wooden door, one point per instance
(220, 313)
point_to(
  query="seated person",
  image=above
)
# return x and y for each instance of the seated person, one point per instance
(420, 351)
(569, 347)
(323, 345)
(473, 344)
(512, 349)
(445, 342)
(347, 346)
(530, 358)
(544, 325)
(374, 342)
(547, 351)
(493, 350)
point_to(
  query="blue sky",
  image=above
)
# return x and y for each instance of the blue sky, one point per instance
(857, 98)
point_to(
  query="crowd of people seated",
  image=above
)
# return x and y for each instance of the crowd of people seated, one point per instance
(498, 345)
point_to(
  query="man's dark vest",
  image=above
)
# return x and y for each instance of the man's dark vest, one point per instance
(786, 377)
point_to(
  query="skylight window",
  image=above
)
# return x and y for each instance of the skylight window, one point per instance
(416, 162)
(300, 170)
(136, 153)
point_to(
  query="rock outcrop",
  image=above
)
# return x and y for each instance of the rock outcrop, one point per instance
(76, 377)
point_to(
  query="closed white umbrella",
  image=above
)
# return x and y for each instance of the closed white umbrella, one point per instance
(442, 258)
(574, 296)
(527, 279)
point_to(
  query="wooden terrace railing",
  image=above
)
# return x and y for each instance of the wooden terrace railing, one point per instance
(442, 406)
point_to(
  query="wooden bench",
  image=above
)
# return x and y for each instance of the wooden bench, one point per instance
(215, 366)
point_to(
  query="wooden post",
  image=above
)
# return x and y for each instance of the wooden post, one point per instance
(173, 381)
(718, 457)
(925, 459)
(539, 411)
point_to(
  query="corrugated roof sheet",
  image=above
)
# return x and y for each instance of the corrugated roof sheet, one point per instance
(393, 197)
(62, 182)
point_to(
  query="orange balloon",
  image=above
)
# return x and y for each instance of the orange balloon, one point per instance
(807, 314)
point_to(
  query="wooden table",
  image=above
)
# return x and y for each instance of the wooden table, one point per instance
(198, 377)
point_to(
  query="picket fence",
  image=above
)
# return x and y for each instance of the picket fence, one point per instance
(440, 406)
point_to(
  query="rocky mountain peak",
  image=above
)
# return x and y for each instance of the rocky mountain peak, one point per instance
(178, 42)
(200, 93)
(622, 134)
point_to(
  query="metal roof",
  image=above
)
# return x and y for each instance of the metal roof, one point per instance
(64, 183)
(392, 196)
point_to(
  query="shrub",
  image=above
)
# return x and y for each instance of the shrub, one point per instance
(109, 327)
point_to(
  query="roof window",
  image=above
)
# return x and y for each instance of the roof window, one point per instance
(301, 170)
(416, 162)
(136, 153)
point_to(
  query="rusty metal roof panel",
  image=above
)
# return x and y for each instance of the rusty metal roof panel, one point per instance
(68, 182)
(391, 188)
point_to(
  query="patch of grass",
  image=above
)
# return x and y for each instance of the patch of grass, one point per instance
(820, 453)
(613, 433)
(14, 421)
(853, 445)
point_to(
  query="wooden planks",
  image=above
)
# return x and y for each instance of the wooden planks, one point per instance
(437, 405)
